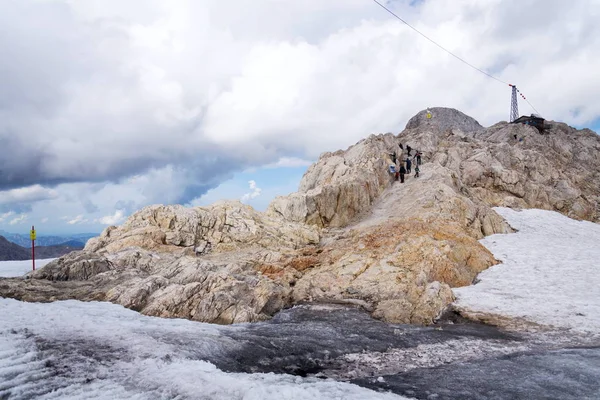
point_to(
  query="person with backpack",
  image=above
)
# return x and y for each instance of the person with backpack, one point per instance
(417, 170)
(409, 149)
(402, 172)
(408, 164)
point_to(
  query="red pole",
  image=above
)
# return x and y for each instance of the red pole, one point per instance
(33, 246)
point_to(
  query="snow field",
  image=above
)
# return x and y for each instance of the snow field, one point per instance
(75, 350)
(13, 269)
(550, 272)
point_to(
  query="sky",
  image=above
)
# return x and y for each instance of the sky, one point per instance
(108, 106)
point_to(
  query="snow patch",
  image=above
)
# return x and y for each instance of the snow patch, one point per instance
(74, 350)
(550, 272)
(12, 269)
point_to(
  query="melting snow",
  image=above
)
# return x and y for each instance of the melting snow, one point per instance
(75, 350)
(550, 272)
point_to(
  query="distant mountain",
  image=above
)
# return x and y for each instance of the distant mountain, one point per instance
(71, 243)
(12, 252)
(55, 251)
(23, 240)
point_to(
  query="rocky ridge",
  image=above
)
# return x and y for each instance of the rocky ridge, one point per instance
(350, 234)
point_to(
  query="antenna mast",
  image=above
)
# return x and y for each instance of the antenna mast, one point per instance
(514, 104)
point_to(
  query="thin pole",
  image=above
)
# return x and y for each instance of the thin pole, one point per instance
(32, 235)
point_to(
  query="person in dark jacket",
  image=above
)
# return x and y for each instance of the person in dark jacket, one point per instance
(402, 173)
(417, 170)
(401, 147)
(417, 157)
(409, 149)
(408, 165)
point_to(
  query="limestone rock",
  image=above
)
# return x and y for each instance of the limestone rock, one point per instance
(395, 267)
(222, 227)
(75, 266)
(350, 234)
(444, 119)
(341, 185)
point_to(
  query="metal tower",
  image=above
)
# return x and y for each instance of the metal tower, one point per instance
(514, 105)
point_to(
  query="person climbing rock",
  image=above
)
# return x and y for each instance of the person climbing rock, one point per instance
(393, 155)
(515, 136)
(408, 164)
(417, 170)
(409, 149)
(402, 172)
(401, 147)
(417, 157)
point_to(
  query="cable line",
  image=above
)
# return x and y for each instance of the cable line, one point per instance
(448, 51)
(438, 45)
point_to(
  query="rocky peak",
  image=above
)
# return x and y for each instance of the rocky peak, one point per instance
(444, 119)
(350, 234)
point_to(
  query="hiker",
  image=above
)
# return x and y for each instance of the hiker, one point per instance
(417, 170)
(402, 172)
(393, 155)
(408, 164)
(401, 147)
(409, 149)
(392, 171)
(417, 157)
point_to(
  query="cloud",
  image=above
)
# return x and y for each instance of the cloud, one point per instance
(94, 94)
(6, 215)
(289, 162)
(27, 194)
(116, 218)
(80, 219)
(18, 220)
(255, 192)
(44, 220)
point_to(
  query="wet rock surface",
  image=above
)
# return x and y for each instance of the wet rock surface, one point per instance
(310, 339)
(447, 361)
(567, 374)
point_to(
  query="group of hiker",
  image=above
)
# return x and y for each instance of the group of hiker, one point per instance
(399, 172)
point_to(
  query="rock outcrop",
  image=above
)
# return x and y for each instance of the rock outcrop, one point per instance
(341, 185)
(350, 234)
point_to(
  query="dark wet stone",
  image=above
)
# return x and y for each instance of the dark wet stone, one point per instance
(302, 340)
(559, 374)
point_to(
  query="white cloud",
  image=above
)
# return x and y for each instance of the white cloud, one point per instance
(6, 215)
(27, 194)
(44, 220)
(80, 219)
(116, 218)
(255, 192)
(18, 220)
(289, 162)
